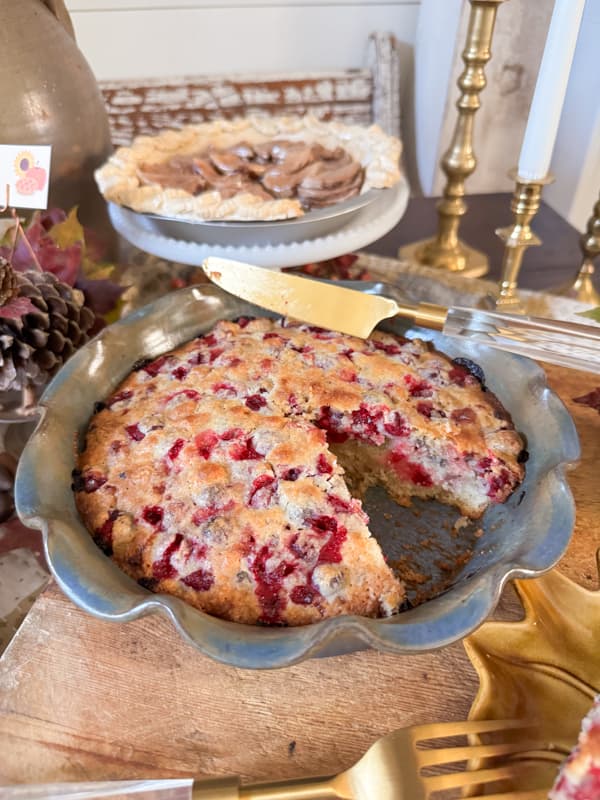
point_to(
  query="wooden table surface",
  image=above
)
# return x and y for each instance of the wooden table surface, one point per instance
(86, 699)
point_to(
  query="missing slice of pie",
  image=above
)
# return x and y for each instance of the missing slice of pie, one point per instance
(228, 472)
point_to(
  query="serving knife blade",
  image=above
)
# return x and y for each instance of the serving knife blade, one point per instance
(356, 313)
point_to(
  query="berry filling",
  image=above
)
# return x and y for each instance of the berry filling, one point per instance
(255, 402)
(134, 433)
(163, 569)
(245, 451)
(205, 443)
(201, 580)
(103, 536)
(153, 515)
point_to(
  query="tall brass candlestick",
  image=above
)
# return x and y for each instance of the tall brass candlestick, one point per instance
(446, 250)
(582, 288)
(518, 236)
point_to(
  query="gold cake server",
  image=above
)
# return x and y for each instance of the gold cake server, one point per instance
(356, 313)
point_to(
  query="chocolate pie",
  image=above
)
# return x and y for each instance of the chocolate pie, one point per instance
(261, 169)
(229, 471)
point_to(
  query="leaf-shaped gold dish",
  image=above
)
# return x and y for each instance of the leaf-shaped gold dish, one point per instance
(543, 668)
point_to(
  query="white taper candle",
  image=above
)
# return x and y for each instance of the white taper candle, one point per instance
(550, 89)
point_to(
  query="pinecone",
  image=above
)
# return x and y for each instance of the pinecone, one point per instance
(34, 346)
(8, 282)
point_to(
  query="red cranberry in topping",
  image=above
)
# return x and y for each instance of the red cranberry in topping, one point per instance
(201, 580)
(198, 358)
(205, 443)
(271, 335)
(268, 585)
(417, 387)
(234, 362)
(255, 402)
(214, 354)
(88, 483)
(348, 353)
(291, 474)
(323, 466)
(338, 503)
(191, 394)
(175, 449)
(331, 422)
(366, 420)
(243, 321)
(180, 373)
(210, 339)
(322, 523)
(103, 536)
(226, 388)
(119, 397)
(331, 552)
(303, 595)
(154, 367)
(463, 415)
(408, 470)
(153, 515)
(471, 369)
(201, 515)
(245, 451)
(163, 569)
(116, 445)
(425, 408)
(484, 463)
(348, 376)
(232, 433)
(397, 426)
(134, 433)
(498, 484)
(261, 492)
(389, 349)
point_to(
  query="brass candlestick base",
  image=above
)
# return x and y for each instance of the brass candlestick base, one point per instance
(518, 237)
(461, 258)
(445, 250)
(582, 288)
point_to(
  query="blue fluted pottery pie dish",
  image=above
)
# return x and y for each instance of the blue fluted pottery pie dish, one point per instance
(460, 569)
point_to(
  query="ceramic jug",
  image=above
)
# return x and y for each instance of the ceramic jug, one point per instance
(49, 95)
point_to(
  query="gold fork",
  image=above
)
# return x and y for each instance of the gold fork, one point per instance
(392, 768)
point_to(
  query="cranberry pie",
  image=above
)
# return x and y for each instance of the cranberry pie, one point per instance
(579, 778)
(250, 169)
(227, 471)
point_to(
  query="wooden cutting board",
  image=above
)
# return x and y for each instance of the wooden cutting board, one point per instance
(85, 699)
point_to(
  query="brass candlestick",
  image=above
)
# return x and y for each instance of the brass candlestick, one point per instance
(518, 236)
(582, 288)
(446, 251)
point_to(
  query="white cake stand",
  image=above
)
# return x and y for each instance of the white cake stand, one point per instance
(369, 224)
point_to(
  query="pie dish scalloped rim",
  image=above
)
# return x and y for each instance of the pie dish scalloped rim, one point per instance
(524, 537)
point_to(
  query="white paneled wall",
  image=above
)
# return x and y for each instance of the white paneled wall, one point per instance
(156, 38)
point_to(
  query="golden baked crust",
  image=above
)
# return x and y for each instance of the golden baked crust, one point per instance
(121, 179)
(215, 472)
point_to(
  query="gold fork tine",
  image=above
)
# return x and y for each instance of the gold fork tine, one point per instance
(456, 780)
(518, 750)
(439, 730)
(535, 794)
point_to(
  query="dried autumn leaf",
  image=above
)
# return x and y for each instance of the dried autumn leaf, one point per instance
(593, 313)
(68, 231)
(16, 308)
